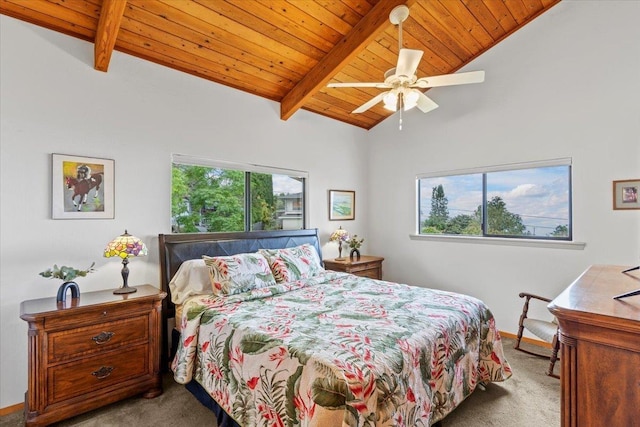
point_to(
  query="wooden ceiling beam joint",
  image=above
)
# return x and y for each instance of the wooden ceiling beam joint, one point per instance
(107, 32)
(350, 46)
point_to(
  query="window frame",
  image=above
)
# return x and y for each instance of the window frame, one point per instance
(497, 238)
(247, 168)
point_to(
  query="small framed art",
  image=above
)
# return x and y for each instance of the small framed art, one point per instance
(82, 187)
(625, 194)
(342, 205)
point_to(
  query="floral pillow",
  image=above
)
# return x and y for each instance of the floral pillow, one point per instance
(291, 264)
(234, 274)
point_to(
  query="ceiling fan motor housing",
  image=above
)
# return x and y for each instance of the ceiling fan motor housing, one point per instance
(399, 14)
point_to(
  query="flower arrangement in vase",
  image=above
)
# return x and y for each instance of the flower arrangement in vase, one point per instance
(67, 274)
(354, 244)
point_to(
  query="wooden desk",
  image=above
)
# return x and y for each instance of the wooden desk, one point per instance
(366, 266)
(600, 348)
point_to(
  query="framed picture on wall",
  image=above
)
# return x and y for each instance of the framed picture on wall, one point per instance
(82, 187)
(625, 194)
(342, 205)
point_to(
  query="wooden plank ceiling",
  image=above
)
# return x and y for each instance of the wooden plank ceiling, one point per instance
(287, 50)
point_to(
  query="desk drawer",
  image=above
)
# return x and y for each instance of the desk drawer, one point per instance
(96, 373)
(65, 345)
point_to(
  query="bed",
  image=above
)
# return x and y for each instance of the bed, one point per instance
(273, 339)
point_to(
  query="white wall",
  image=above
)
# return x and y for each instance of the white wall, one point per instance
(138, 114)
(562, 86)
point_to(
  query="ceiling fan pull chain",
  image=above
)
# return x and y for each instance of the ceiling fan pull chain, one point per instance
(400, 100)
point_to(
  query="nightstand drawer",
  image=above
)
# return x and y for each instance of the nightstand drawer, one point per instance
(372, 273)
(65, 345)
(96, 373)
(104, 314)
(365, 266)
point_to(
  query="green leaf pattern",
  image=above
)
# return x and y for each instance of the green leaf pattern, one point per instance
(291, 264)
(239, 273)
(338, 349)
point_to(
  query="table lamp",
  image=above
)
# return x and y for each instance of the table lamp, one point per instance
(125, 246)
(340, 235)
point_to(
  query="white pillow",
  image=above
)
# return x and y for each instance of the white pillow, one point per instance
(192, 278)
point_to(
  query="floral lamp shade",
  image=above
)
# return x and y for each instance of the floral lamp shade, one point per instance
(125, 246)
(340, 235)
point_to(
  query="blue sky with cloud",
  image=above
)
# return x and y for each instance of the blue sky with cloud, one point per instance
(539, 195)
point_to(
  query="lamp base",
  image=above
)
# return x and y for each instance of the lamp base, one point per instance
(125, 290)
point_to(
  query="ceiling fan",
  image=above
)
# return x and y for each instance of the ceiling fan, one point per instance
(402, 82)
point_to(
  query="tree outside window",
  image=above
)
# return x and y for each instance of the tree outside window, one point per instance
(212, 199)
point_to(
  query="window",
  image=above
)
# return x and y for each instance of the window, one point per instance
(209, 196)
(527, 200)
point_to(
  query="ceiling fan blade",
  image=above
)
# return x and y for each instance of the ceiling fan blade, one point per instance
(450, 79)
(408, 61)
(426, 104)
(361, 84)
(373, 101)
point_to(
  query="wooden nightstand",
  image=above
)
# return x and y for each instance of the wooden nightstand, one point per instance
(366, 266)
(91, 351)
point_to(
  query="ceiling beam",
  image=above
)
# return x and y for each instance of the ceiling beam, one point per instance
(363, 33)
(107, 32)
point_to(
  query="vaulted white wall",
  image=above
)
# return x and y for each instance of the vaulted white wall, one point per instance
(559, 87)
(138, 114)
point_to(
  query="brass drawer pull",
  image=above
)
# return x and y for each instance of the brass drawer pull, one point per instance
(103, 337)
(103, 372)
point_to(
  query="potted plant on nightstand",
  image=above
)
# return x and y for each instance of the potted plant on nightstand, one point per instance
(354, 244)
(67, 274)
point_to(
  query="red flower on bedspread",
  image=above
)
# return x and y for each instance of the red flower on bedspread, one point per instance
(220, 324)
(253, 382)
(222, 397)
(236, 356)
(269, 414)
(410, 396)
(188, 340)
(214, 370)
(413, 353)
(306, 407)
(280, 355)
(361, 384)
(277, 331)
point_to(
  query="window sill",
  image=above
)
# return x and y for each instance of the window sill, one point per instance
(555, 244)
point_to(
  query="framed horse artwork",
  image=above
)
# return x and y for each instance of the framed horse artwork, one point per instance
(82, 187)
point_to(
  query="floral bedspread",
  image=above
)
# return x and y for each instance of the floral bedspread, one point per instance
(339, 350)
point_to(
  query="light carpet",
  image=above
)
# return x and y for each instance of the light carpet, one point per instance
(528, 399)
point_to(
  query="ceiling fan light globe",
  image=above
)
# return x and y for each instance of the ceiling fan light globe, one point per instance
(390, 101)
(390, 107)
(410, 99)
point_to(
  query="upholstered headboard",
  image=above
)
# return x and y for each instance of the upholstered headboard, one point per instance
(177, 248)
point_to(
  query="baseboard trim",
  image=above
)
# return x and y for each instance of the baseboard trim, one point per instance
(528, 340)
(11, 409)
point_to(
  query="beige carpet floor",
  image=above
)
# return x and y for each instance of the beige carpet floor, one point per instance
(528, 399)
